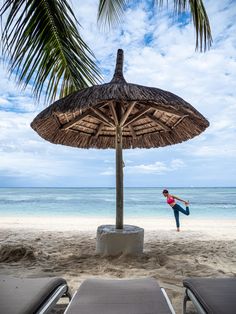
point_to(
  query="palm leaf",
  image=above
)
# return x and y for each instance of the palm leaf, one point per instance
(43, 47)
(111, 11)
(201, 24)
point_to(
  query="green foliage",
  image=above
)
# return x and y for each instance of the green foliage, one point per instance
(43, 47)
(111, 11)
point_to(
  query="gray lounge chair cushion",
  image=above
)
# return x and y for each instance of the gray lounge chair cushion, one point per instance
(25, 296)
(137, 296)
(216, 295)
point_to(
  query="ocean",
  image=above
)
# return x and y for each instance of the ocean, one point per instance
(217, 203)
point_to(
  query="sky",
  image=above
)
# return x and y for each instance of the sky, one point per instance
(159, 51)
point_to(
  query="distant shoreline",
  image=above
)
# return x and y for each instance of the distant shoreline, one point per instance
(218, 229)
(113, 187)
(129, 218)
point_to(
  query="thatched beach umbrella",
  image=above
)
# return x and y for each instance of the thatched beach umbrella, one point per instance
(119, 115)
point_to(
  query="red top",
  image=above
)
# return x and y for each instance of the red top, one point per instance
(170, 200)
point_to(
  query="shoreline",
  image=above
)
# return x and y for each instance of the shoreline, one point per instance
(220, 229)
(127, 217)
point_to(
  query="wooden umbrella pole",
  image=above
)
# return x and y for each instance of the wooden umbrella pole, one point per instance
(118, 77)
(119, 179)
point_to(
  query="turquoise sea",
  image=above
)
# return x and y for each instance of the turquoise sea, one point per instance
(219, 203)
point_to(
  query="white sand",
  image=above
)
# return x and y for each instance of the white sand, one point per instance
(66, 247)
(214, 229)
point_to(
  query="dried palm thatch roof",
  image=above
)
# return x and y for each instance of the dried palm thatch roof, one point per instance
(150, 117)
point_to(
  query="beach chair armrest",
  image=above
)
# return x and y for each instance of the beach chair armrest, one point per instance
(190, 296)
(168, 300)
(71, 300)
(53, 298)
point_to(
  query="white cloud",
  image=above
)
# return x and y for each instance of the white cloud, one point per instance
(216, 151)
(169, 62)
(108, 172)
(3, 101)
(24, 154)
(219, 140)
(157, 167)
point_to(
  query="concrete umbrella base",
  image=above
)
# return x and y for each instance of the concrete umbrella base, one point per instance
(112, 241)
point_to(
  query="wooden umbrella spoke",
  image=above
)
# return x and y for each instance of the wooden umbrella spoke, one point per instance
(127, 113)
(136, 116)
(132, 131)
(75, 120)
(57, 120)
(180, 120)
(122, 105)
(113, 112)
(99, 129)
(167, 110)
(104, 116)
(158, 122)
(100, 119)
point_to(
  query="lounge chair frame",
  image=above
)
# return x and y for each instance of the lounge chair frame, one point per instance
(56, 288)
(189, 296)
(168, 301)
(61, 291)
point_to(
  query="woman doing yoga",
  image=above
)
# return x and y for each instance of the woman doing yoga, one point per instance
(176, 207)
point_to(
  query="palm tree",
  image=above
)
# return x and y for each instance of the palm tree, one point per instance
(42, 45)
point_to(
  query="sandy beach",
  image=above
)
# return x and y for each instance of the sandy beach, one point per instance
(117, 112)
(66, 247)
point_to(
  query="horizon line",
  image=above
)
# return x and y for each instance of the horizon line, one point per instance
(108, 187)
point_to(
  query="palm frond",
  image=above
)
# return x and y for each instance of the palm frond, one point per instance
(111, 11)
(200, 20)
(42, 45)
(201, 24)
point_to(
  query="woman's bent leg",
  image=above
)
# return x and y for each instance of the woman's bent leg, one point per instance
(180, 209)
(187, 210)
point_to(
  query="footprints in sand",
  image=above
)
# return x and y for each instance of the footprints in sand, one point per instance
(72, 255)
(15, 253)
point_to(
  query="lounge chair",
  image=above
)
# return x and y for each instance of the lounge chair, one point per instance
(135, 296)
(30, 295)
(211, 295)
